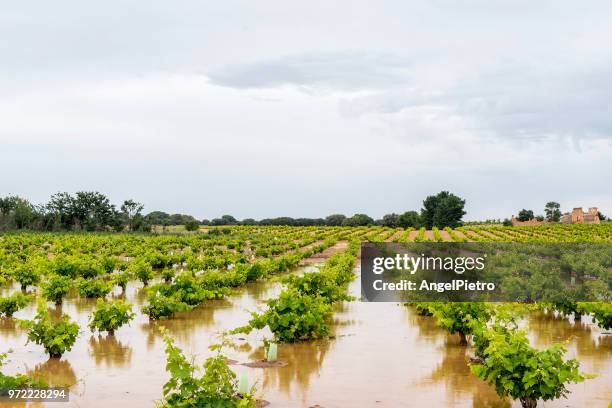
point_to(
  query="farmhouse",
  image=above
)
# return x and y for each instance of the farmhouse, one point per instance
(577, 216)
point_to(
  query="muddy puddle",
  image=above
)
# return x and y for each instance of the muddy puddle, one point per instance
(384, 355)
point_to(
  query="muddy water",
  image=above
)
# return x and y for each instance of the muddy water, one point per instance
(383, 355)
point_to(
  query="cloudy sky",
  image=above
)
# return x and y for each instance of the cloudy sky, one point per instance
(262, 109)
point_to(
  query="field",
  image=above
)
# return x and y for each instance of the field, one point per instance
(196, 286)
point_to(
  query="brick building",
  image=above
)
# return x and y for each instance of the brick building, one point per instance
(577, 216)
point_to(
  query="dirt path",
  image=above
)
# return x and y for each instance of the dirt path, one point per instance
(394, 236)
(445, 236)
(322, 256)
(460, 234)
(413, 234)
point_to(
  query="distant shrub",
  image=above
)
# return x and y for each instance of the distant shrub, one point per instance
(192, 225)
(141, 270)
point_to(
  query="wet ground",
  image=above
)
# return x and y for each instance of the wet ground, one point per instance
(384, 355)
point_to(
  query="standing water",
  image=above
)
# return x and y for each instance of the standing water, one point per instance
(383, 355)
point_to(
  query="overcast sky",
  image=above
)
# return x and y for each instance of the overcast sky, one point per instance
(261, 109)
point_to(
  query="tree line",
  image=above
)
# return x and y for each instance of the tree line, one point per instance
(84, 210)
(93, 211)
(441, 210)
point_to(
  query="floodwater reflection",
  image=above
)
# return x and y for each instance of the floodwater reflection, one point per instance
(54, 372)
(109, 351)
(383, 355)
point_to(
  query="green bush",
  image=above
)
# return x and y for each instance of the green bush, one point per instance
(602, 313)
(56, 337)
(192, 291)
(168, 274)
(515, 369)
(141, 270)
(93, 288)
(460, 317)
(111, 315)
(90, 268)
(330, 282)
(216, 387)
(26, 274)
(164, 306)
(423, 308)
(293, 317)
(65, 265)
(121, 279)
(9, 305)
(192, 225)
(55, 288)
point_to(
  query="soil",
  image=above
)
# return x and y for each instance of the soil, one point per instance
(322, 256)
(394, 236)
(445, 236)
(462, 235)
(265, 364)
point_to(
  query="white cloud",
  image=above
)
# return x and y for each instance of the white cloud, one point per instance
(217, 108)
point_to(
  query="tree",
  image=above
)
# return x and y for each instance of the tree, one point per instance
(224, 220)
(601, 216)
(89, 210)
(24, 213)
(192, 225)
(442, 210)
(553, 211)
(6, 205)
(131, 211)
(410, 219)
(17, 212)
(390, 220)
(525, 215)
(92, 210)
(60, 208)
(335, 220)
(272, 221)
(358, 220)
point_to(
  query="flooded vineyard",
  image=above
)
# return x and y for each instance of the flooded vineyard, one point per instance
(382, 355)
